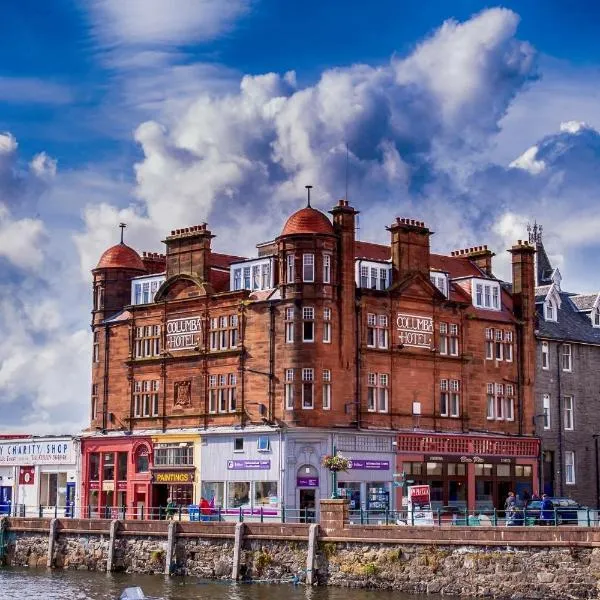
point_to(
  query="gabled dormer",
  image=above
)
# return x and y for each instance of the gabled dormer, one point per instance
(552, 301)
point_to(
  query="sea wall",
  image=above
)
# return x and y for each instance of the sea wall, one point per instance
(516, 562)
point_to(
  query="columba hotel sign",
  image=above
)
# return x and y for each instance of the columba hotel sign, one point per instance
(415, 330)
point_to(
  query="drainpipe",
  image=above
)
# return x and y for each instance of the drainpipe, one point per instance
(559, 419)
(271, 362)
(105, 391)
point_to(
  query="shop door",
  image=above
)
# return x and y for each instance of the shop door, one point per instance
(307, 506)
(160, 499)
(548, 473)
(140, 505)
(5, 499)
(503, 488)
(70, 500)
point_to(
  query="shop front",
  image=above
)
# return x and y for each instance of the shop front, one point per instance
(175, 470)
(116, 476)
(39, 476)
(241, 471)
(469, 472)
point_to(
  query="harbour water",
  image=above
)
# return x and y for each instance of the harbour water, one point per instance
(18, 584)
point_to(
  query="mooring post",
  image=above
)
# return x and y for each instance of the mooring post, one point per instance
(3, 526)
(51, 540)
(170, 546)
(114, 527)
(237, 550)
(313, 533)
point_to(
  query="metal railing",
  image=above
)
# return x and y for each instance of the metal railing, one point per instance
(519, 517)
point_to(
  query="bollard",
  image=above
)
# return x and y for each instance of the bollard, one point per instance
(170, 554)
(51, 540)
(313, 533)
(237, 550)
(114, 526)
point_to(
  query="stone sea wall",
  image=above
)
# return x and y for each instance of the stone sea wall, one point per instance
(519, 562)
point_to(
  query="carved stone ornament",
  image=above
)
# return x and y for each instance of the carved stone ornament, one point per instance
(183, 393)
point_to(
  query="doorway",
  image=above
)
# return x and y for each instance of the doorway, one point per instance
(307, 506)
(5, 499)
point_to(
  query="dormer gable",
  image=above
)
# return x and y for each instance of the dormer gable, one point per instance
(183, 286)
(552, 301)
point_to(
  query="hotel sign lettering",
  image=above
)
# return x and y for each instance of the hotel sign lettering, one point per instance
(184, 334)
(415, 330)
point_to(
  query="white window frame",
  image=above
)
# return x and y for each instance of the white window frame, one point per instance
(383, 393)
(308, 379)
(326, 389)
(444, 398)
(595, 317)
(509, 402)
(308, 316)
(326, 268)
(440, 281)
(569, 412)
(372, 392)
(546, 411)
(327, 325)
(550, 311)
(545, 356)
(443, 345)
(289, 325)
(308, 268)
(569, 467)
(454, 406)
(453, 340)
(566, 352)
(290, 268)
(491, 402)
(489, 344)
(485, 294)
(289, 389)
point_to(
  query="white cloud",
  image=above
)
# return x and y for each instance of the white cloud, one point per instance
(527, 161)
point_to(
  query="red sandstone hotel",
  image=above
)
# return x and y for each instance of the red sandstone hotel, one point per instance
(403, 359)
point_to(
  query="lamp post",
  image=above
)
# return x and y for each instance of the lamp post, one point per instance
(595, 436)
(334, 493)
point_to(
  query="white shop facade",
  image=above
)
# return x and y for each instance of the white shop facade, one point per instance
(40, 475)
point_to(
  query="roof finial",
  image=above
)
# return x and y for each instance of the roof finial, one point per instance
(122, 226)
(535, 233)
(308, 188)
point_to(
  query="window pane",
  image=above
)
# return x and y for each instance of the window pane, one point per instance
(265, 493)
(238, 493)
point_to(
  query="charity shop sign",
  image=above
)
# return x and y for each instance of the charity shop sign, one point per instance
(415, 330)
(184, 333)
(37, 452)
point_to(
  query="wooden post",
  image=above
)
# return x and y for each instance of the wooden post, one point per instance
(114, 526)
(171, 537)
(313, 533)
(51, 540)
(237, 550)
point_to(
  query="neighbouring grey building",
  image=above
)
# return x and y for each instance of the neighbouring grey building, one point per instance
(567, 395)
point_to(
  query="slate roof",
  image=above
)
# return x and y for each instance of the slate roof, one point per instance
(584, 302)
(572, 325)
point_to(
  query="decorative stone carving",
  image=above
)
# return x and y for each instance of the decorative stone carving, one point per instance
(183, 393)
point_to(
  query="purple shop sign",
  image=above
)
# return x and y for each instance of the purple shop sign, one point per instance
(307, 482)
(369, 465)
(241, 465)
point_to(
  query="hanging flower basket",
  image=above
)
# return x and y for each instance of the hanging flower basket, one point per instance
(336, 463)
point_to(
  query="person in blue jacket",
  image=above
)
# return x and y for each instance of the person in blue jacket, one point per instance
(547, 511)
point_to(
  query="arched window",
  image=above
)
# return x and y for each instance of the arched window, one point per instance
(142, 455)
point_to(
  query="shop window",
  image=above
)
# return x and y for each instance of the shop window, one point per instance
(265, 493)
(213, 491)
(351, 491)
(238, 444)
(308, 324)
(181, 495)
(94, 466)
(263, 444)
(523, 471)
(122, 466)
(170, 455)
(457, 470)
(483, 470)
(503, 470)
(53, 489)
(435, 468)
(238, 494)
(108, 466)
(412, 468)
(142, 460)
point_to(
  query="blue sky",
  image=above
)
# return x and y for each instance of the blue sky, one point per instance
(475, 117)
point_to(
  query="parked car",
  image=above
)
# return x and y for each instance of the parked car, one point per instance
(565, 509)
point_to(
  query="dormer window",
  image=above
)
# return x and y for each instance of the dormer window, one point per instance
(143, 289)
(595, 317)
(372, 275)
(440, 280)
(549, 310)
(252, 275)
(486, 294)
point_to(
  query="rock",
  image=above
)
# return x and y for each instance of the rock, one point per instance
(545, 577)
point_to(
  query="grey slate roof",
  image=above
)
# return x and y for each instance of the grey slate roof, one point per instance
(572, 325)
(584, 301)
(544, 268)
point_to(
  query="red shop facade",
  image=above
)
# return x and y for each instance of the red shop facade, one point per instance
(475, 472)
(116, 475)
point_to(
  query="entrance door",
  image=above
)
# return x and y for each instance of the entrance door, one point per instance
(502, 494)
(160, 499)
(548, 472)
(307, 506)
(70, 500)
(5, 500)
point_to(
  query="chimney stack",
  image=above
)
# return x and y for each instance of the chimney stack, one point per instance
(480, 255)
(188, 252)
(410, 248)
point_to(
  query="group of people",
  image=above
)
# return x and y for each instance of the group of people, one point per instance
(515, 507)
(206, 508)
